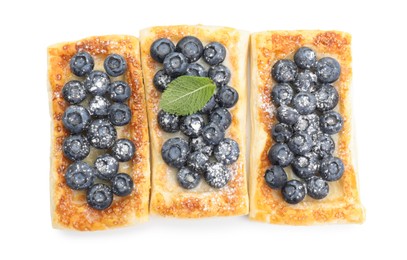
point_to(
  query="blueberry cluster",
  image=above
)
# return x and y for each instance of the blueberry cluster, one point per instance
(305, 100)
(94, 126)
(207, 152)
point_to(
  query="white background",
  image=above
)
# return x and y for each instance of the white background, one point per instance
(380, 100)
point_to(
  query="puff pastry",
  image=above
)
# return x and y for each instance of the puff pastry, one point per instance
(167, 197)
(342, 205)
(69, 208)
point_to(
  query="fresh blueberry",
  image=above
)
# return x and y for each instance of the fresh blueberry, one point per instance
(106, 166)
(99, 196)
(317, 188)
(227, 151)
(175, 64)
(123, 150)
(76, 119)
(305, 58)
(81, 64)
(227, 97)
(287, 115)
(305, 166)
(98, 106)
(275, 177)
(191, 47)
(211, 105)
(198, 161)
(327, 97)
(221, 117)
(217, 175)
(198, 144)
(161, 48)
(280, 154)
(119, 114)
(161, 80)
(79, 175)
(331, 122)
(305, 103)
(101, 134)
(328, 70)
(187, 178)
(168, 122)
(122, 184)
(192, 125)
(308, 124)
(282, 94)
(97, 83)
(294, 191)
(332, 168)
(284, 71)
(324, 146)
(74, 92)
(281, 132)
(219, 74)
(119, 91)
(305, 81)
(212, 134)
(76, 147)
(194, 69)
(175, 152)
(214, 53)
(115, 65)
(300, 143)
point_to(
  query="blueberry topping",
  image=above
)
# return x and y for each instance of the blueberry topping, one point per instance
(217, 175)
(300, 143)
(219, 74)
(161, 48)
(305, 166)
(76, 147)
(281, 132)
(187, 178)
(198, 144)
(99, 196)
(76, 119)
(175, 152)
(282, 94)
(98, 106)
(97, 83)
(317, 188)
(327, 97)
(212, 134)
(284, 71)
(115, 65)
(331, 122)
(122, 184)
(168, 122)
(275, 177)
(101, 134)
(227, 151)
(227, 96)
(79, 175)
(81, 64)
(211, 105)
(119, 114)
(119, 91)
(328, 70)
(198, 161)
(106, 166)
(214, 53)
(305, 58)
(294, 191)
(308, 124)
(332, 169)
(287, 115)
(221, 117)
(192, 125)
(161, 80)
(194, 69)
(191, 47)
(305, 103)
(123, 150)
(175, 64)
(324, 146)
(74, 92)
(305, 81)
(280, 154)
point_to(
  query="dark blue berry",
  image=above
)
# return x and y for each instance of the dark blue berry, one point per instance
(227, 151)
(308, 124)
(212, 134)
(227, 97)
(122, 184)
(198, 161)
(300, 143)
(175, 64)
(161, 80)
(187, 178)
(305, 166)
(76, 147)
(211, 105)
(305, 58)
(280, 154)
(281, 132)
(81, 64)
(324, 146)
(119, 114)
(221, 117)
(101, 134)
(175, 152)
(317, 188)
(284, 71)
(74, 92)
(331, 169)
(161, 48)
(282, 94)
(76, 119)
(294, 191)
(119, 91)
(327, 97)
(191, 47)
(214, 53)
(79, 175)
(305, 103)
(328, 70)
(331, 122)
(219, 74)
(287, 115)
(98, 106)
(97, 83)
(99, 196)
(106, 166)
(194, 69)
(217, 175)
(123, 150)
(275, 177)
(192, 125)
(115, 65)
(305, 81)
(198, 144)
(168, 122)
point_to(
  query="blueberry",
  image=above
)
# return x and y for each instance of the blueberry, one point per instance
(324, 146)
(194, 69)
(294, 191)
(287, 115)
(99, 196)
(219, 74)
(161, 48)
(74, 92)
(227, 97)
(331, 122)
(175, 152)
(81, 64)
(214, 53)
(115, 65)
(123, 150)
(305, 103)
(305, 166)
(308, 124)
(198, 144)
(284, 71)
(300, 143)
(211, 105)
(106, 166)
(76, 147)
(227, 151)
(198, 161)
(305, 58)
(221, 117)
(282, 94)
(275, 177)
(281, 132)
(161, 80)
(187, 178)
(119, 91)
(168, 122)
(101, 134)
(331, 169)
(191, 47)
(327, 97)
(317, 188)
(175, 64)
(305, 81)
(328, 70)
(79, 175)
(192, 125)
(98, 106)
(212, 134)
(97, 83)
(217, 175)
(280, 154)
(76, 119)
(119, 114)
(122, 184)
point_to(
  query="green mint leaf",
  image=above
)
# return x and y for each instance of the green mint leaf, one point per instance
(186, 95)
